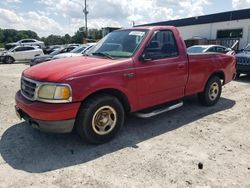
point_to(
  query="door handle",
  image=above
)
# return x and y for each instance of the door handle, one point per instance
(181, 66)
(129, 75)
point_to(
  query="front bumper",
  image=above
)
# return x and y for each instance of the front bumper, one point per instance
(2, 59)
(243, 68)
(56, 118)
(64, 126)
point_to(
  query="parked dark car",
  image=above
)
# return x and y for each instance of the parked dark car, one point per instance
(51, 48)
(78, 51)
(243, 61)
(48, 57)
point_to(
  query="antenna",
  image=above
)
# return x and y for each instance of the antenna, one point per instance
(85, 12)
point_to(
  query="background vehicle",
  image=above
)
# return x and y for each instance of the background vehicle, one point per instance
(21, 53)
(128, 71)
(243, 61)
(79, 51)
(47, 57)
(208, 48)
(49, 49)
(26, 42)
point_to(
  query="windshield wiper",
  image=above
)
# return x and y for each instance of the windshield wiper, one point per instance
(103, 54)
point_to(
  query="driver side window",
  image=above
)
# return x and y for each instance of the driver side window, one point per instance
(162, 45)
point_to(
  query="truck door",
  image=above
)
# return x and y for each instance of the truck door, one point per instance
(161, 71)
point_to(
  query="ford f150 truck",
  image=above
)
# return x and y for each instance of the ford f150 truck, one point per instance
(129, 70)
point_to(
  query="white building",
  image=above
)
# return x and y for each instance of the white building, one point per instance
(233, 25)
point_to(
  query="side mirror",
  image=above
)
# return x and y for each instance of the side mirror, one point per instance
(146, 56)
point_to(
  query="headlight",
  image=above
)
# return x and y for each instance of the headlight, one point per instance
(54, 93)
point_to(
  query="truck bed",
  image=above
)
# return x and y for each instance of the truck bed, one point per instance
(201, 66)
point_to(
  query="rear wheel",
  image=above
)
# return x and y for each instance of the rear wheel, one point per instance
(9, 60)
(100, 118)
(212, 92)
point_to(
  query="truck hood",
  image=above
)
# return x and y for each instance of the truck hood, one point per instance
(62, 69)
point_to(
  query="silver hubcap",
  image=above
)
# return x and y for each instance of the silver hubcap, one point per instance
(213, 91)
(104, 120)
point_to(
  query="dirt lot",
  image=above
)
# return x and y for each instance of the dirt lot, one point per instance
(163, 151)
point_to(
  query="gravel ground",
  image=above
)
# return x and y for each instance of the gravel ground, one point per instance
(164, 151)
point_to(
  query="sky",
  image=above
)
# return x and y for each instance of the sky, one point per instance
(59, 17)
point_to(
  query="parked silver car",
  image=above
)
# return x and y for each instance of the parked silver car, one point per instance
(43, 58)
(27, 42)
(78, 51)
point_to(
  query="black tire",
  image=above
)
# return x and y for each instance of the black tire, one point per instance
(92, 112)
(9, 60)
(237, 75)
(212, 92)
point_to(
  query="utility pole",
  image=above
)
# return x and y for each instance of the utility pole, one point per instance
(85, 12)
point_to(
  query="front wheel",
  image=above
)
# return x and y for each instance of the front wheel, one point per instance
(212, 92)
(9, 60)
(100, 118)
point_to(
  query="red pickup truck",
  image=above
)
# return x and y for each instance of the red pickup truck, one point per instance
(128, 71)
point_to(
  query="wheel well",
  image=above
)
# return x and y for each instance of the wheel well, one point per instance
(116, 93)
(219, 74)
(5, 58)
(9, 56)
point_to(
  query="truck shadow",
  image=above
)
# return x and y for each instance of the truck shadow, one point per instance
(26, 149)
(243, 78)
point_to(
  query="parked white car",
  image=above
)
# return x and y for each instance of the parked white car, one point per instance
(27, 42)
(21, 53)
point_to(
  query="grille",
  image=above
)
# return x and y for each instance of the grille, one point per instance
(243, 60)
(242, 68)
(28, 88)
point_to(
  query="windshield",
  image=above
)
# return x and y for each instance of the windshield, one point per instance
(119, 44)
(11, 49)
(247, 48)
(196, 49)
(78, 49)
(55, 52)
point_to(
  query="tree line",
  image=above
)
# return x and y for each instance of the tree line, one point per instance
(12, 35)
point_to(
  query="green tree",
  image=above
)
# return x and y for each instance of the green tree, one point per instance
(79, 36)
(1, 36)
(12, 35)
(95, 34)
(67, 39)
